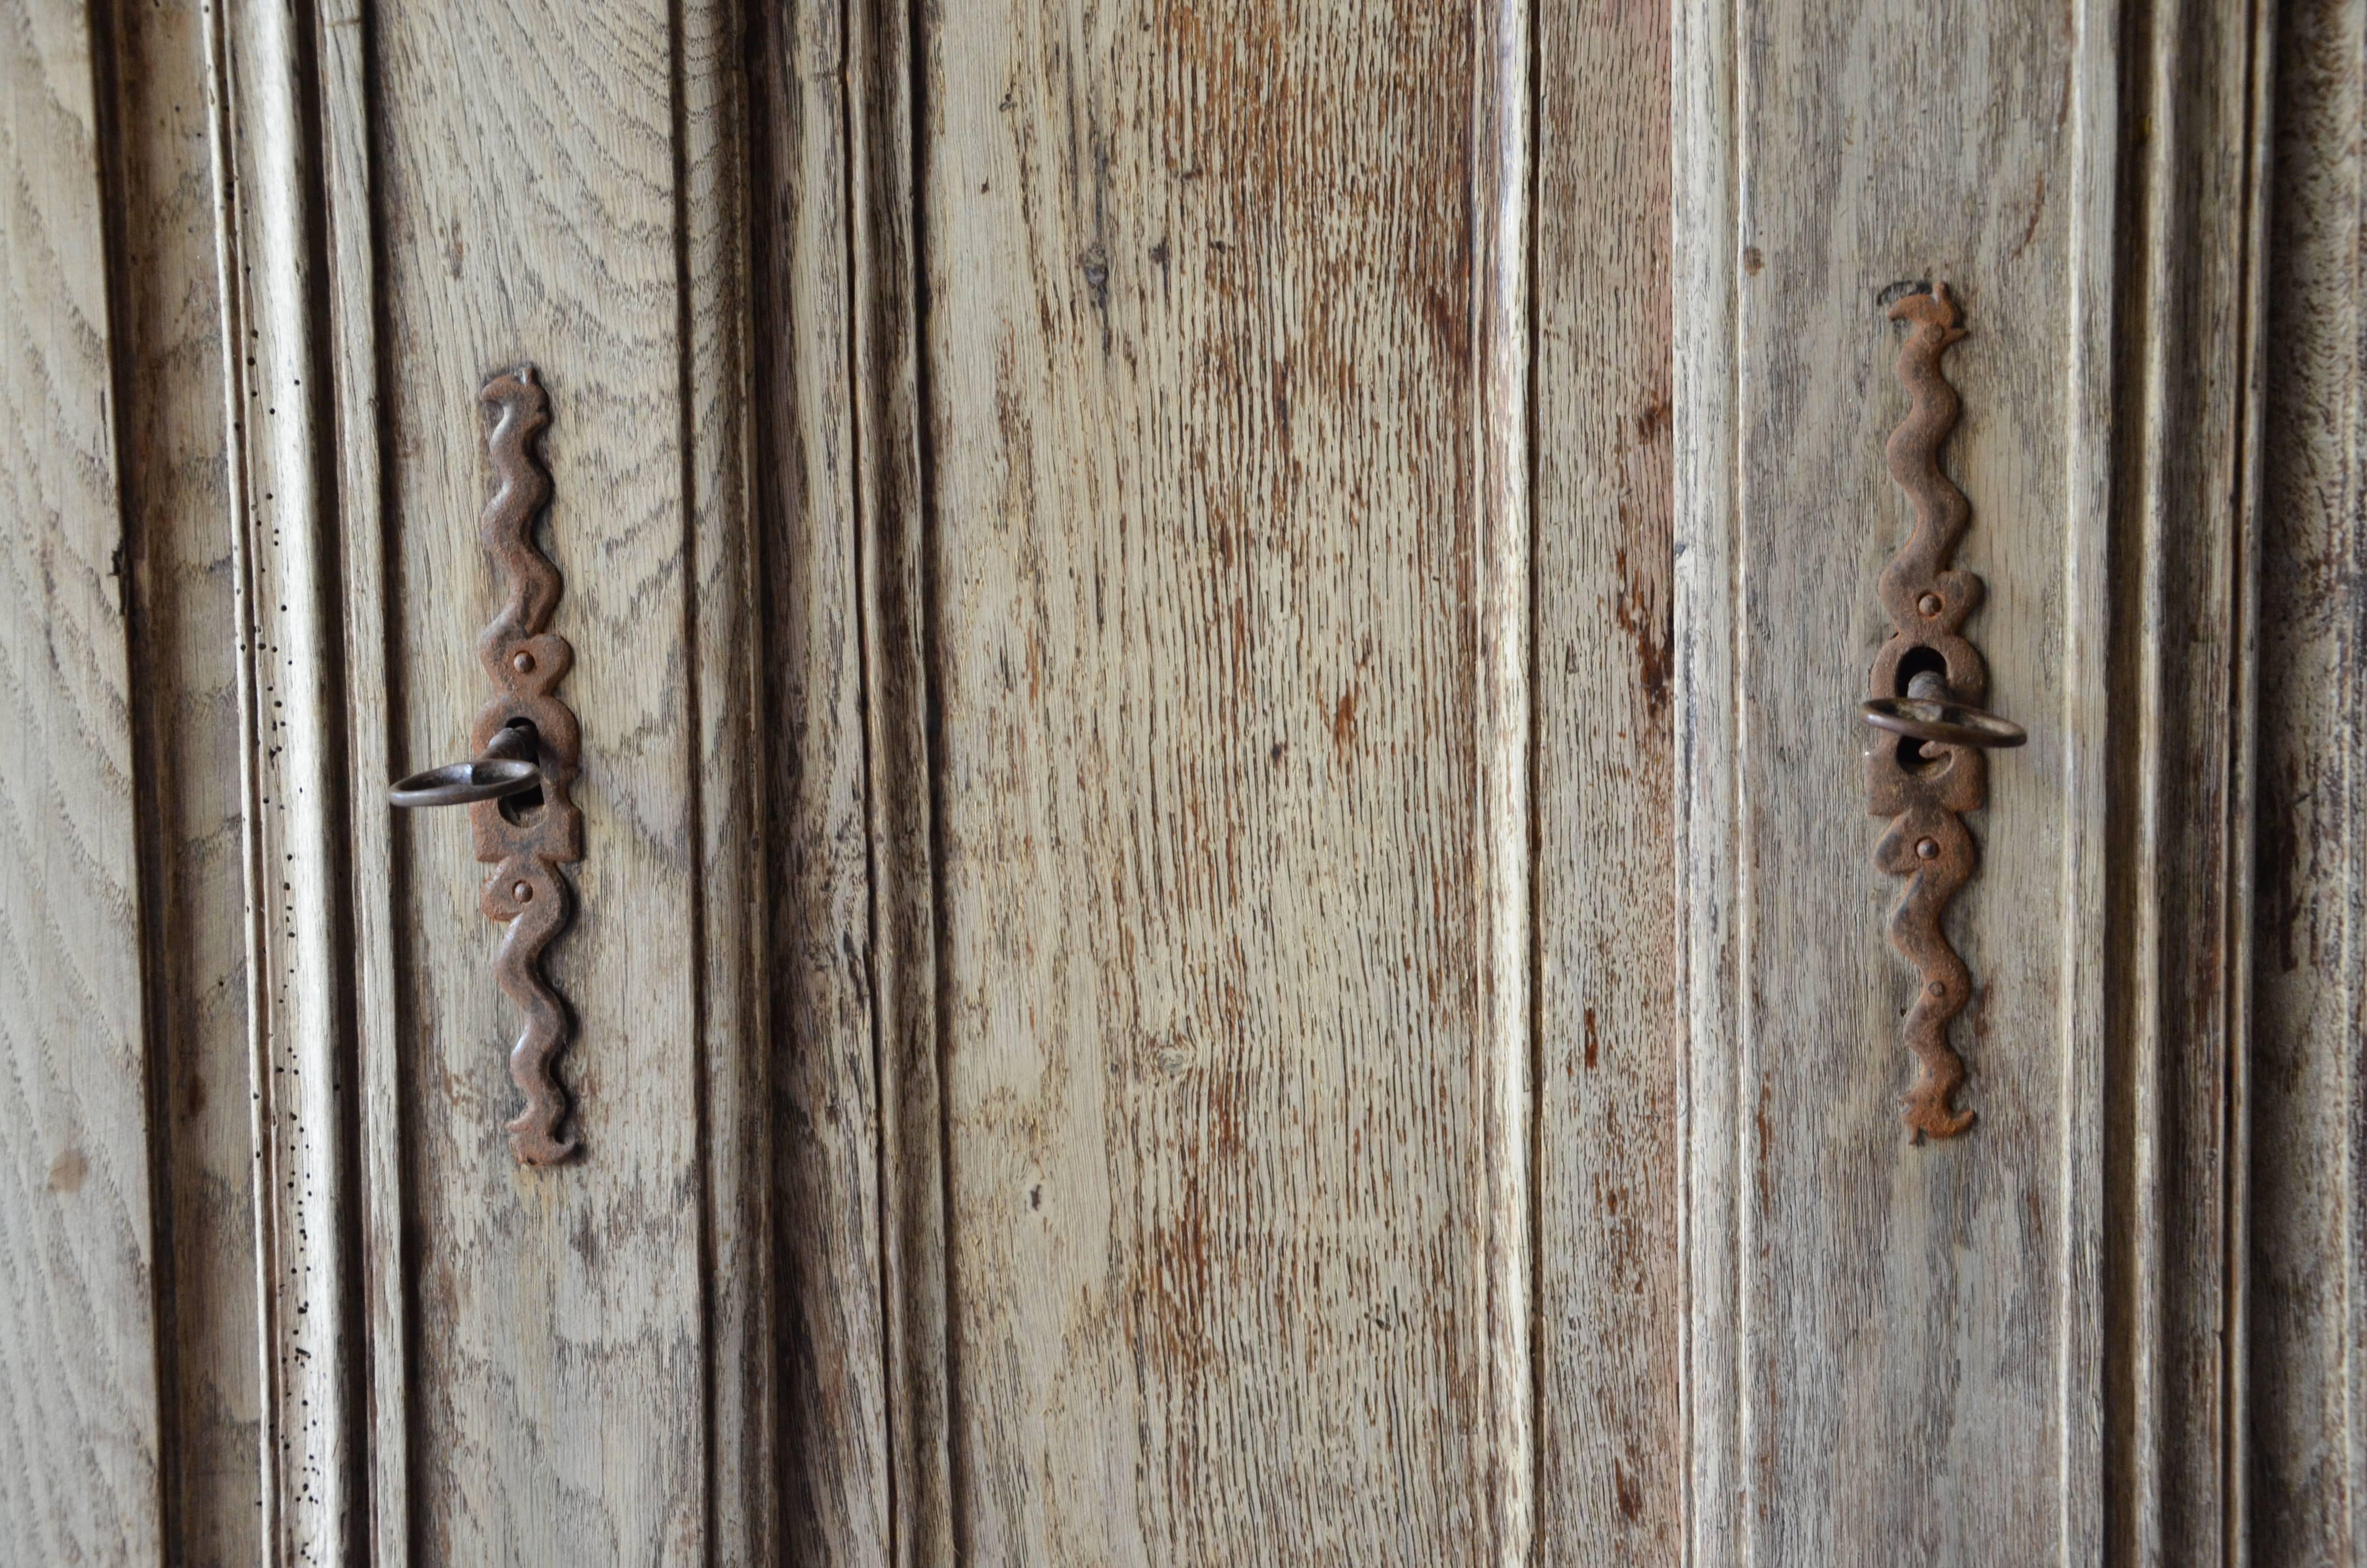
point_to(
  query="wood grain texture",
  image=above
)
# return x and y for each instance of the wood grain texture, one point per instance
(571, 195)
(2182, 551)
(727, 794)
(80, 1463)
(1704, 319)
(829, 1313)
(1163, 1049)
(187, 670)
(292, 705)
(2091, 342)
(1609, 1448)
(1504, 839)
(1205, 594)
(2307, 1254)
(1888, 1349)
(2011, 1349)
(902, 717)
(372, 696)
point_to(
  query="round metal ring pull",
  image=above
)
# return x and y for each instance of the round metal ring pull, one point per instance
(1941, 723)
(508, 768)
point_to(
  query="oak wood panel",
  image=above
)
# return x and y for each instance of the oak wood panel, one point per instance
(1892, 1353)
(1608, 1046)
(567, 194)
(829, 1324)
(80, 1464)
(1203, 586)
(2307, 1461)
(187, 669)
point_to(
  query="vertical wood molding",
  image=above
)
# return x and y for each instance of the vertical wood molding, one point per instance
(187, 673)
(2178, 879)
(2305, 1253)
(1506, 830)
(828, 1316)
(723, 640)
(2083, 709)
(371, 690)
(1712, 1006)
(293, 706)
(81, 1479)
(895, 551)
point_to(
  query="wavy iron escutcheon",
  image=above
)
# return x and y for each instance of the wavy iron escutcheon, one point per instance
(1927, 765)
(528, 747)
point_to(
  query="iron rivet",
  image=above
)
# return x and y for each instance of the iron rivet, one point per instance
(523, 893)
(1928, 849)
(1930, 604)
(521, 662)
(1937, 988)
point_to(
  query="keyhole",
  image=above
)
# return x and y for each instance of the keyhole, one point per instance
(521, 808)
(1924, 668)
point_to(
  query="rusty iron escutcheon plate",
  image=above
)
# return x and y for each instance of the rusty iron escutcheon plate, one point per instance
(1926, 766)
(526, 845)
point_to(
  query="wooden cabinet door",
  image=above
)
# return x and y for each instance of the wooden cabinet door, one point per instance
(1226, 907)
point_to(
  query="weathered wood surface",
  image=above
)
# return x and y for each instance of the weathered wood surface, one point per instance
(901, 715)
(80, 1463)
(1201, 386)
(350, 290)
(834, 1465)
(2304, 1414)
(581, 1351)
(187, 669)
(1165, 1047)
(1608, 1044)
(292, 705)
(1503, 720)
(2010, 1346)
(2178, 746)
(835, 1433)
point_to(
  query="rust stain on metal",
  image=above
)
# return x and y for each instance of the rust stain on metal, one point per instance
(526, 845)
(1926, 766)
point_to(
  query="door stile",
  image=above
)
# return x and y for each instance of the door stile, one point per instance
(651, 526)
(305, 244)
